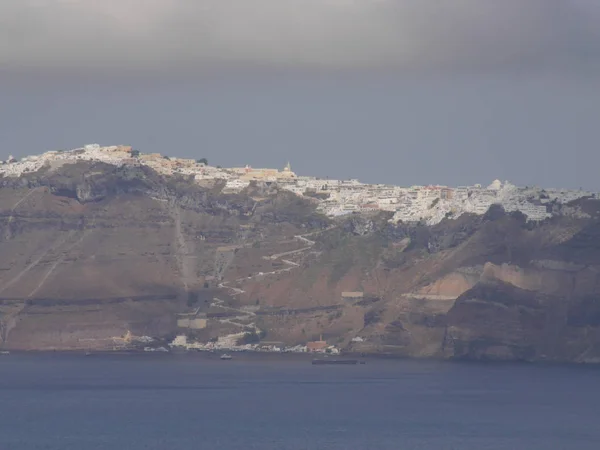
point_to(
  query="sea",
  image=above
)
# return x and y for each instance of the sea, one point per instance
(183, 402)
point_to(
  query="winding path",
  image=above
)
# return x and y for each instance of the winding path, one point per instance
(276, 256)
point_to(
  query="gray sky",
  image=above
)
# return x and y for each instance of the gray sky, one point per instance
(398, 91)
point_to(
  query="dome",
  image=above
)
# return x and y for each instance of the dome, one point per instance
(496, 185)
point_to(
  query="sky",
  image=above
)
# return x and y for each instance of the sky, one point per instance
(406, 92)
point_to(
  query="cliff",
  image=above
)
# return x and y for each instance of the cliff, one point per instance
(92, 252)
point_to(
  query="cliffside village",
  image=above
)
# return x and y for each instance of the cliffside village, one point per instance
(429, 204)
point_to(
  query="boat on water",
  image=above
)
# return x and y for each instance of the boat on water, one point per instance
(334, 361)
(154, 350)
(225, 356)
(4, 352)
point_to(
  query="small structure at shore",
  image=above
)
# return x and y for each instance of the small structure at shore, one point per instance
(317, 346)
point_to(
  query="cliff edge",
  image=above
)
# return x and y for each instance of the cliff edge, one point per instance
(93, 254)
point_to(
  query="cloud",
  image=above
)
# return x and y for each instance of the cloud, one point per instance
(184, 35)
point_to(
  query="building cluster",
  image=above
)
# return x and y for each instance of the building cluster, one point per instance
(431, 204)
(231, 343)
(428, 204)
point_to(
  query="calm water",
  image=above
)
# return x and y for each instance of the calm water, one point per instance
(169, 402)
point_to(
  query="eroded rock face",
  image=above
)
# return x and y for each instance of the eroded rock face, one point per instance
(91, 252)
(360, 225)
(90, 249)
(499, 321)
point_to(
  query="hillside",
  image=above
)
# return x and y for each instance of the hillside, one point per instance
(92, 251)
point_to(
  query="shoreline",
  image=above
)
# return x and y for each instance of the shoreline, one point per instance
(213, 355)
(247, 356)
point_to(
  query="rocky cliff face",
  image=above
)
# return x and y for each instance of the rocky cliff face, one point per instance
(91, 252)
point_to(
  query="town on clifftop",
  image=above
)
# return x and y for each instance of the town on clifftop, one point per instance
(426, 204)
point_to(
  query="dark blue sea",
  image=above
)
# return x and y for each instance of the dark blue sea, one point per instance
(183, 402)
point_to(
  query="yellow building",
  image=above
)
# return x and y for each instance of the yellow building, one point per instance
(194, 324)
(248, 173)
(287, 172)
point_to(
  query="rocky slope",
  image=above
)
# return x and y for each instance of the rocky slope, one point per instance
(91, 252)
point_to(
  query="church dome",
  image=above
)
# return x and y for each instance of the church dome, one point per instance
(496, 185)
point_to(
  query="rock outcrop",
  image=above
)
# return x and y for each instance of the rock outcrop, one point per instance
(93, 252)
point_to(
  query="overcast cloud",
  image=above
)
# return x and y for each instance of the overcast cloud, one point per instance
(184, 35)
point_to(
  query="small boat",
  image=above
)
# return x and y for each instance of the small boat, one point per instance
(225, 356)
(4, 352)
(334, 361)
